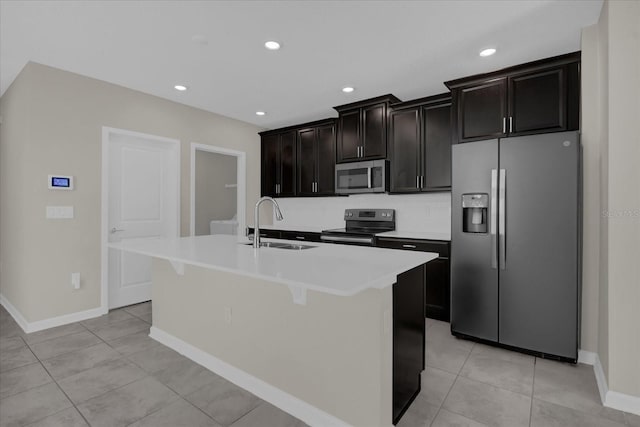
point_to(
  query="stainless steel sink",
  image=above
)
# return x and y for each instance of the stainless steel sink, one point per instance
(282, 245)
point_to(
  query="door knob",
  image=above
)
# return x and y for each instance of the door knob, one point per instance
(115, 230)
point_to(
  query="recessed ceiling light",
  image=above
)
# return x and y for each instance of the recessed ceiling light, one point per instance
(260, 113)
(347, 89)
(487, 52)
(181, 88)
(272, 45)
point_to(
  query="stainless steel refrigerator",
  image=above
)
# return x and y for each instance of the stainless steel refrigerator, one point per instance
(515, 242)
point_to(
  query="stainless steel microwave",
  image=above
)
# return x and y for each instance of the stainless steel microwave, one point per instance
(362, 177)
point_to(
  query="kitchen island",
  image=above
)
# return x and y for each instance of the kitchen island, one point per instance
(332, 334)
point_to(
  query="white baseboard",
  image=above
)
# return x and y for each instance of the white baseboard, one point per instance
(283, 400)
(52, 322)
(610, 399)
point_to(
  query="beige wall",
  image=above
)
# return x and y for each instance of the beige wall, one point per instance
(624, 196)
(212, 199)
(332, 352)
(611, 113)
(590, 139)
(53, 124)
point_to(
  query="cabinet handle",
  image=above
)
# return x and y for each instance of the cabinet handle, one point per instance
(510, 124)
(409, 246)
(417, 181)
(504, 125)
(421, 181)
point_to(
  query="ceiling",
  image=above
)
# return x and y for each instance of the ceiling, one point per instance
(407, 48)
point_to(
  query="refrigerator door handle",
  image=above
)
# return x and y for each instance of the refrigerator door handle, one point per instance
(494, 218)
(502, 219)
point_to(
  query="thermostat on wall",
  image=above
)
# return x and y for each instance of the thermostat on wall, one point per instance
(60, 182)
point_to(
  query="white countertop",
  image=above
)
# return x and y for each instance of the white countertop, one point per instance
(334, 269)
(423, 235)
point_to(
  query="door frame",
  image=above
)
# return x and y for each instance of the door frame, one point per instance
(174, 149)
(241, 182)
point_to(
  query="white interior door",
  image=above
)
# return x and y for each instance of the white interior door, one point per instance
(143, 203)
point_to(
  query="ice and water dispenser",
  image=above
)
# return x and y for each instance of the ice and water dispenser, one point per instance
(475, 209)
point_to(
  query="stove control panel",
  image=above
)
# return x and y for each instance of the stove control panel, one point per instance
(370, 215)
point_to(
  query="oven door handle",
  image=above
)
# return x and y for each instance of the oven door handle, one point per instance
(367, 240)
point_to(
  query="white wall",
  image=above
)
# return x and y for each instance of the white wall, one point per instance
(419, 213)
(53, 123)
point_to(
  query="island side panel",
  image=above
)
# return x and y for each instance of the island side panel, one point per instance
(335, 352)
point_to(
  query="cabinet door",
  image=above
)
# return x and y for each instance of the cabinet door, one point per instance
(374, 137)
(408, 338)
(437, 147)
(405, 150)
(537, 102)
(437, 298)
(349, 136)
(326, 163)
(482, 111)
(270, 168)
(306, 161)
(287, 164)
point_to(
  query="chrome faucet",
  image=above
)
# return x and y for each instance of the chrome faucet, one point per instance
(256, 219)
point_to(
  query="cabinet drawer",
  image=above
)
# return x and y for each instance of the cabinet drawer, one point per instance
(440, 247)
(300, 235)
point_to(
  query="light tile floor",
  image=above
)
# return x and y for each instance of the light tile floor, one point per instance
(108, 372)
(474, 385)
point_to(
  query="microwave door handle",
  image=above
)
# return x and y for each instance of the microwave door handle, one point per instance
(369, 176)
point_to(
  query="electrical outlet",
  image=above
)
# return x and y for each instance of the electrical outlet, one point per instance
(75, 280)
(227, 315)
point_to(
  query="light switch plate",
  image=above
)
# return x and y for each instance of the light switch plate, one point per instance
(59, 212)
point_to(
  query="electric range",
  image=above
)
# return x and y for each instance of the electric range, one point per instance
(361, 226)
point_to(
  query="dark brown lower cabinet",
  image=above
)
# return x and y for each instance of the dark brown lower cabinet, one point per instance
(437, 280)
(408, 338)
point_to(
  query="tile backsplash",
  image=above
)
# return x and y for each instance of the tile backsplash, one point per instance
(429, 212)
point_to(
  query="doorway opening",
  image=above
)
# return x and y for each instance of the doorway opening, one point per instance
(140, 200)
(218, 190)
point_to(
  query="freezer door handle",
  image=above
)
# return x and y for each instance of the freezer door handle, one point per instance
(494, 218)
(502, 219)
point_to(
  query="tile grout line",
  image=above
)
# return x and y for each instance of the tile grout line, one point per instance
(73, 405)
(533, 387)
(452, 384)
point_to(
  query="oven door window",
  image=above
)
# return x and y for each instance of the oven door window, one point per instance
(351, 179)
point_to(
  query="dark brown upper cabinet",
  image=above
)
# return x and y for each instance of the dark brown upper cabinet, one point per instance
(316, 159)
(537, 97)
(362, 129)
(420, 145)
(278, 163)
